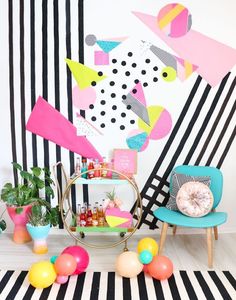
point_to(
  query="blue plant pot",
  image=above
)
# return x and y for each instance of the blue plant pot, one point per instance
(39, 235)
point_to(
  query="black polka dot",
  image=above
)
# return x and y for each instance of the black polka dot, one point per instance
(114, 107)
(114, 71)
(114, 60)
(128, 106)
(155, 68)
(127, 73)
(102, 125)
(91, 106)
(103, 102)
(136, 81)
(147, 60)
(123, 115)
(134, 91)
(113, 95)
(124, 86)
(93, 118)
(124, 97)
(134, 65)
(143, 72)
(100, 73)
(130, 54)
(122, 127)
(132, 121)
(112, 83)
(103, 113)
(155, 79)
(145, 84)
(113, 120)
(123, 63)
(164, 74)
(93, 83)
(102, 91)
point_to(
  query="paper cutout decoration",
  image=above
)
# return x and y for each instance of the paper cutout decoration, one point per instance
(182, 68)
(83, 98)
(50, 124)
(101, 58)
(214, 59)
(137, 139)
(84, 128)
(160, 122)
(84, 76)
(117, 218)
(137, 93)
(137, 107)
(107, 46)
(174, 20)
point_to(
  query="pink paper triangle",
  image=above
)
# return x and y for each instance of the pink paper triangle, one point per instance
(139, 94)
(214, 59)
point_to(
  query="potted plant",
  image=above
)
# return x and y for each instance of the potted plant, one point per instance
(20, 198)
(40, 219)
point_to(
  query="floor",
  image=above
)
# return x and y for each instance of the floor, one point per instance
(187, 252)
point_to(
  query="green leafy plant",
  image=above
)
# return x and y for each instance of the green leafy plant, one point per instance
(3, 224)
(29, 187)
(43, 214)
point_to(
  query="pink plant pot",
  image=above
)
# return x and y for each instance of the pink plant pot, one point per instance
(20, 235)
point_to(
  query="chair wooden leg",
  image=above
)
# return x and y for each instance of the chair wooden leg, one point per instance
(216, 233)
(210, 247)
(174, 229)
(163, 237)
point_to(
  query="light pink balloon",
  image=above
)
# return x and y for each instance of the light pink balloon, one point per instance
(83, 98)
(61, 279)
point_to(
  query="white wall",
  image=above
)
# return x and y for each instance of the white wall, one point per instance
(107, 19)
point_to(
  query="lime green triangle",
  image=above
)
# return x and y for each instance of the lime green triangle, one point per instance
(115, 221)
(83, 75)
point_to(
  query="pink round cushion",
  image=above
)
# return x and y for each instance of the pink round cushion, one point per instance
(194, 199)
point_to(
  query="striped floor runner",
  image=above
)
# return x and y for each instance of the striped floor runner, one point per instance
(108, 286)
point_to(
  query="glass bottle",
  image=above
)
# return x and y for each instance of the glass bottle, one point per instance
(83, 217)
(95, 217)
(90, 170)
(77, 166)
(89, 216)
(104, 166)
(101, 219)
(97, 172)
(84, 168)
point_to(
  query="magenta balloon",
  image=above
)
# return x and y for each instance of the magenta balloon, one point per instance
(81, 256)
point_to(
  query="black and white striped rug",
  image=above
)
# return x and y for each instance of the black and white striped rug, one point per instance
(109, 286)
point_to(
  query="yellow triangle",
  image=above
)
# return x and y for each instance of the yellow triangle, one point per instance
(115, 221)
(83, 75)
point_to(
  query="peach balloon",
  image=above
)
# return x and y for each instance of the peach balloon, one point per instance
(161, 267)
(128, 264)
(65, 264)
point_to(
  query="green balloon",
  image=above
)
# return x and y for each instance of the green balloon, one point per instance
(53, 259)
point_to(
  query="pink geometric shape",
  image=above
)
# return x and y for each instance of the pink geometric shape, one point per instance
(101, 58)
(214, 59)
(139, 94)
(116, 212)
(179, 26)
(50, 124)
(162, 126)
(83, 98)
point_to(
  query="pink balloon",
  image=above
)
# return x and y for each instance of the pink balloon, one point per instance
(61, 279)
(161, 267)
(81, 256)
(83, 98)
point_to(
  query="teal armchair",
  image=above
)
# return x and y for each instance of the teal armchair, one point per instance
(208, 222)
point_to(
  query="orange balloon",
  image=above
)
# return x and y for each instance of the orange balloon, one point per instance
(65, 264)
(161, 267)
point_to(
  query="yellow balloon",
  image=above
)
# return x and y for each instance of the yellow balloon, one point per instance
(42, 274)
(148, 244)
